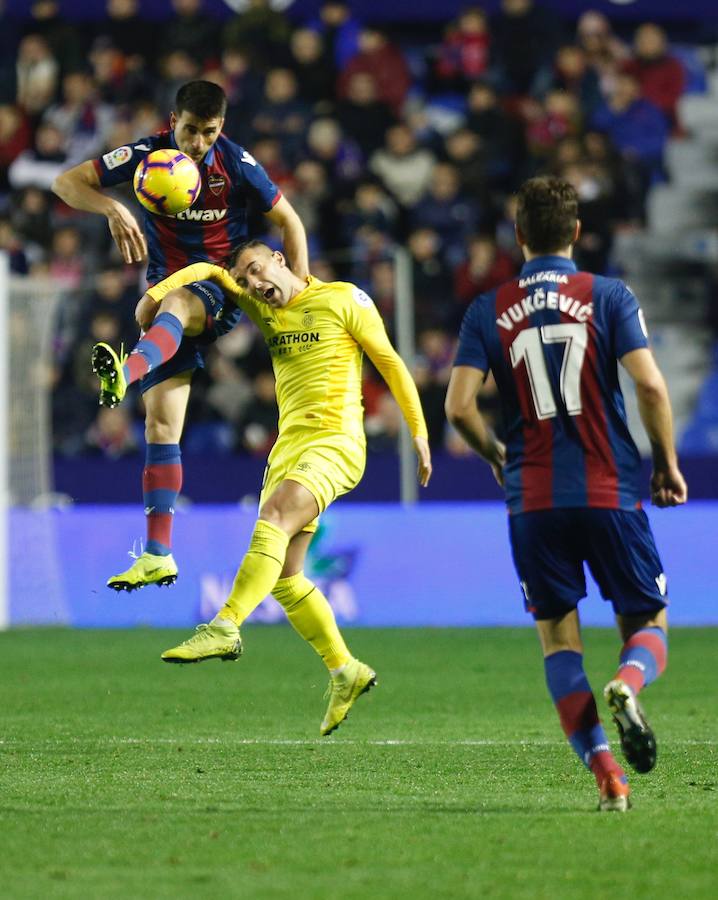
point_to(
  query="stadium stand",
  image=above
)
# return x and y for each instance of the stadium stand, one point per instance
(472, 118)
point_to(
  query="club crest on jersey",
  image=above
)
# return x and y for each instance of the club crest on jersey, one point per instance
(117, 157)
(307, 319)
(216, 183)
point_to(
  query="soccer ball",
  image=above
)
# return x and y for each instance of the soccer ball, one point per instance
(167, 182)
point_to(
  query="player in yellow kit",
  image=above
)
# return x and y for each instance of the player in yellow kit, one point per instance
(316, 333)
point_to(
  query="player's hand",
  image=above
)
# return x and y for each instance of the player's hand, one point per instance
(145, 312)
(668, 487)
(423, 472)
(495, 456)
(127, 234)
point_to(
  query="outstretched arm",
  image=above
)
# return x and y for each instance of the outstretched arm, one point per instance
(201, 271)
(294, 237)
(464, 415)
(401, 384)
(80, 188)
(668, 487)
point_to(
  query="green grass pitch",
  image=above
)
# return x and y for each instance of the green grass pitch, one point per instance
(123, 777)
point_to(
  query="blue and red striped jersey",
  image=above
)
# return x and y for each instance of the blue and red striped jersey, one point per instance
(552, 338)
(217, 221)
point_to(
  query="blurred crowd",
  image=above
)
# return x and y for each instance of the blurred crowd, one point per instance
(377, 138)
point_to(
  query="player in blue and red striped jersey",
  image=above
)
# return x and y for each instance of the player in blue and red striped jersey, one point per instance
(232, 182)
(552, 338)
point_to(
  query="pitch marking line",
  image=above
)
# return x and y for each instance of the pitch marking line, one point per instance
(322, 742)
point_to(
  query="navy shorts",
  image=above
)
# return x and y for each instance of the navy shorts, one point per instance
(222, 316)
(550, 547)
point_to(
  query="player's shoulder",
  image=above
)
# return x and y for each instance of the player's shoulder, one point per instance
(134, 152)
(608, 290)
(162, 140)
(231, 150)
(350, 293)
(485, 302)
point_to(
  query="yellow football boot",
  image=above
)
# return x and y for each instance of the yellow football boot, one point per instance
(146, 569)
(107, 365)
(355, 679)
(208, 642)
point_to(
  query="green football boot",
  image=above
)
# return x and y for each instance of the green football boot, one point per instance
(345, 688)
(107, 365)
(208, 642)
(146, 569)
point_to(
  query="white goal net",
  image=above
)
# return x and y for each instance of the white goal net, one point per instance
(28, 561)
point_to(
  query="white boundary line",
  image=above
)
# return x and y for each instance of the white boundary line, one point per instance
(321, 742)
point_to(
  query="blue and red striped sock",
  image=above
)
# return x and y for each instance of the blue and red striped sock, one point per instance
(643, 658)
(159, 344)
(576, 706)
(161, 483)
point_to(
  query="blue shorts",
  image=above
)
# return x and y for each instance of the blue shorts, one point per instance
(222, 316)
(550, 547)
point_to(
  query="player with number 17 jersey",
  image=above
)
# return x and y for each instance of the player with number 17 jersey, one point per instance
(552, 338)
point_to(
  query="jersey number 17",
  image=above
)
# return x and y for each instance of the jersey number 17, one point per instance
(528, 347)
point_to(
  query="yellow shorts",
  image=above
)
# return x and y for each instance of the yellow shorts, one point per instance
(326, 463)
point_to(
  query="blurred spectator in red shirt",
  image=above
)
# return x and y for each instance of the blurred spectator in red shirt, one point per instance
(15, 137)
(385, 62)
(463, 56)
(661, 76)
(485, 268)
(549, 122)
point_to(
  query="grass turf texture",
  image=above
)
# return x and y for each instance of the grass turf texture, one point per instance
(124, 777)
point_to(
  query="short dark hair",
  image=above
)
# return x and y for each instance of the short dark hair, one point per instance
(203, 99)
(245, 245)
(546, 213)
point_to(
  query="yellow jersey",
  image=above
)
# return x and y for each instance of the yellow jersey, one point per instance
(316, 343)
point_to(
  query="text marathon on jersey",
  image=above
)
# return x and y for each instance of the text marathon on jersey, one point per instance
(293, 337)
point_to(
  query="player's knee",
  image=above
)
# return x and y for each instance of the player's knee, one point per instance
(161, 430)
(186, 307)
(272, 512)
(286, 519)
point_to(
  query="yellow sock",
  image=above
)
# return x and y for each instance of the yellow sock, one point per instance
(258, 572)
(312, 617)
